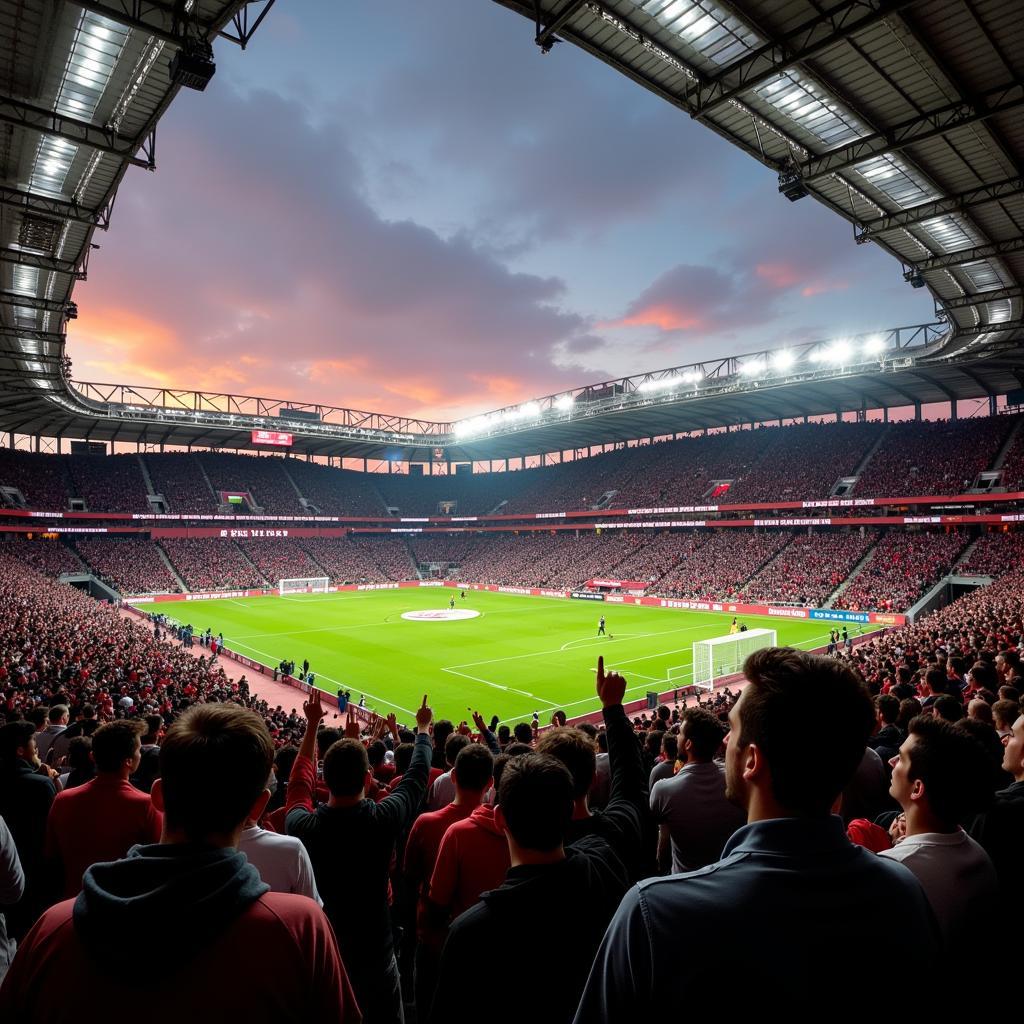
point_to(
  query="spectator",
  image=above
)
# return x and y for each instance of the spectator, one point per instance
(80, 765)
(789, 879)
(473, 859)
(149, 754)
(695, 818)
(12, 888)
(102, 819)
(57, 722)
(85, 724)
(665, 768)
(442, 789)
(204, 915)
(350, 842)
(473, 773)
(27, 789)
(499, 938)
(1001, 829)
(940, 778)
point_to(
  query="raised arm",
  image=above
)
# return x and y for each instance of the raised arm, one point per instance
(399, 808)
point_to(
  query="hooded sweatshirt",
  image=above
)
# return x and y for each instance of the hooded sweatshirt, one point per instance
(473, 858)
(175, 928)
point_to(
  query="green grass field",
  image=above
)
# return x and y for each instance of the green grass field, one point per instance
(519, 655)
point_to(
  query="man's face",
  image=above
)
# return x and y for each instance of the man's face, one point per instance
(735, 784)
(31, 752)
(137, 756)
(902, 786)
(1013, 754)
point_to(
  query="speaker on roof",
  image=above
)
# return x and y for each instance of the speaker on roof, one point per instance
(192, 66)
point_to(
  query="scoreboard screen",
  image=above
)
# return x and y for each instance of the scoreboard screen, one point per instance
(277, 438)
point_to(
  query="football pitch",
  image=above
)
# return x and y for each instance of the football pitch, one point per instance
(510, 656)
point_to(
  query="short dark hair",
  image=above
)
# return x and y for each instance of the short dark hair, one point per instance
(14, 735)
(474, 767)
(523, 732)
(984, 675)
(375, 753)
(576, 751)
(345, 767)
(516, 749)
(1006, 711)
(58, 711)
(154, 723)
(442, 730)
(403, 757)
(79, 750)
(453, 745)
(325, 739)
(670, 745)
(949, 708)
(888, 707)
(703, 730)
(937, 680)
(536, 798)
(214, 762)
(784, 685)
(953, 766)
(115, 743)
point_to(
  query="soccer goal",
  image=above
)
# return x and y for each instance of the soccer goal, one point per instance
(724, 655)
(310, 585)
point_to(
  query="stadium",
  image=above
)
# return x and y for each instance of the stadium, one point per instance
(843, 510)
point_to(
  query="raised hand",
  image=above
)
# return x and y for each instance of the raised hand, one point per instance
(463, 728)
(611, 687)
(424, 716)
(352, 726)
(478, 721)
(313, 709)
(392, 723)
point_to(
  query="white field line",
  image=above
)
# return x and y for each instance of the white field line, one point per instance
(499, 686)
(813, 642)
(341, 686)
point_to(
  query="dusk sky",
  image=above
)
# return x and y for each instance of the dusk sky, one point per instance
(405, 207)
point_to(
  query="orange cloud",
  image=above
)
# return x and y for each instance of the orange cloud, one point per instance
(779, 275)
(664, 316)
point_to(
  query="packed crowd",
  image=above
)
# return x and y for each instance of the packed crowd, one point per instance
(943, 457)
(132, 565)
(719, 568)
(50, 557)
(211, 564)
(263, 478)
(387, 866)
(361, 560)
(810, 568)
(901, 568)
(994, 554)
(281, 559)
(109, 483)
(796, 462)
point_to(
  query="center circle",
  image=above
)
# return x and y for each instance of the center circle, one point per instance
(441, 614)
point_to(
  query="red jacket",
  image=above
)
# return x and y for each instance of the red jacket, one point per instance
(99, 821)
(473, 858)
(278, 960)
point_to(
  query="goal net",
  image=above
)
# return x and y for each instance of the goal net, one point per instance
(724, 655)
(310, 585)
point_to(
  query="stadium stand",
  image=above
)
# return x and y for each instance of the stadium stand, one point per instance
(362, 560)
(901, 569)
(49, 557)
(933, 458)
(994, 554)
(262, 477)
(336, 492)
(719, 568)
(211, 564)
(132, 565)
(108, 483)
(178, 476)
(41, 479)
(281, 559)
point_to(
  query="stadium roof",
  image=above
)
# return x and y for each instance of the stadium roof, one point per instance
(905, 118)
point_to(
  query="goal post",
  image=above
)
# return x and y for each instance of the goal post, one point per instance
(724, 655)
(306, 585)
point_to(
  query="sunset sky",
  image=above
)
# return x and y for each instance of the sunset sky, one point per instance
(405, 207)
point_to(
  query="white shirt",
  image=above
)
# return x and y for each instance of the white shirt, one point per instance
(282, 861)
(442, 792)
(956, 874)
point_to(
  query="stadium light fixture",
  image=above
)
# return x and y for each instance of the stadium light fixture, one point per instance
(531, 410)
(874, 345)
(752, 368)
(839, 352)
(692, 377)
(783, 359)
(564, 402)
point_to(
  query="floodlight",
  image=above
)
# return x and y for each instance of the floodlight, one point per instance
(564, 402)
(531, 409)
(783, 359)
(752, 368)
(692, 377)
(839, 352)
(874, 345)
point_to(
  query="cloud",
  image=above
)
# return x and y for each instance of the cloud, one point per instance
(258, 266)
